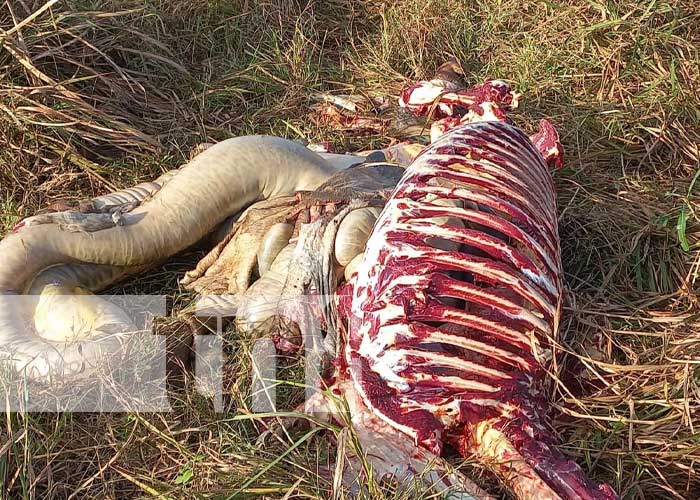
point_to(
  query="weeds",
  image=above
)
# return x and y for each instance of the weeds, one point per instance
(99, 94)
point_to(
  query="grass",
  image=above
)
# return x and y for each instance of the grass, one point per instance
(97, 94)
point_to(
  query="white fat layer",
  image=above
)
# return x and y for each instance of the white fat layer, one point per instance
(425, 93)
(386, 338)
(389, 366)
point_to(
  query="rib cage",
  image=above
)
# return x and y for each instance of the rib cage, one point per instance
(458, 296)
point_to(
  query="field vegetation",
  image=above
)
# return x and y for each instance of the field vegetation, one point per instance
(97, 95)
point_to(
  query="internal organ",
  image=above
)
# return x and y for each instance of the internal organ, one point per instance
(457, 303)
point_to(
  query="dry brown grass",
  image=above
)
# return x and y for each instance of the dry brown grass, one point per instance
(97, 94)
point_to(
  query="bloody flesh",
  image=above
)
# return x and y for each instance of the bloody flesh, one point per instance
(457, 302)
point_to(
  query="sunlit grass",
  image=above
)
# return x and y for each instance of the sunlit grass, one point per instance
(99, 94)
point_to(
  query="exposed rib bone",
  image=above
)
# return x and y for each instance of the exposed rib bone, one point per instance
(509, 229)
(456, 304)
(434, 335)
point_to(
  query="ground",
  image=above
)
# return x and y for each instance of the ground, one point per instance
(96, 95)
